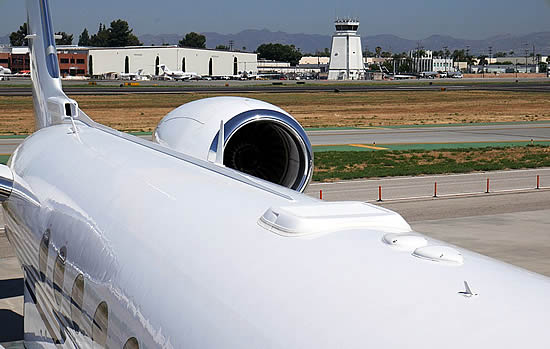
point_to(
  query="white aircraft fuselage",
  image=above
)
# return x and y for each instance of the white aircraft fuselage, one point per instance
(126, 241)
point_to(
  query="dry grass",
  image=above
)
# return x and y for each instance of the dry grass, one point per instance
(321, 109)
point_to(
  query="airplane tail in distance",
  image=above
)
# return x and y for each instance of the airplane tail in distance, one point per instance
(164, 68)
(51, 105)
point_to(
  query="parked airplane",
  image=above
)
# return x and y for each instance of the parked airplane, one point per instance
(138, 75)
(178, 74)
(429, 74)
(185, 242)
(5, 73)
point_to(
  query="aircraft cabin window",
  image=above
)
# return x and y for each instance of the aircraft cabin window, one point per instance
(59, 274)
(131, 343)
(77, 298)
(43, 254)
(100, 324)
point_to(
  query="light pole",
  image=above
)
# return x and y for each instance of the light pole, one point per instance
(445, 52)
(468, 58)
(526, 55)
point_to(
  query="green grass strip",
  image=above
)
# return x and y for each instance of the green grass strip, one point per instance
(344, 165)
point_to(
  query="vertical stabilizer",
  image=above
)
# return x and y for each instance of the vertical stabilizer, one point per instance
(51, 105)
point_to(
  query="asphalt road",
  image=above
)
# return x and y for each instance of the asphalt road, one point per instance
(22, 88)
(450, 134)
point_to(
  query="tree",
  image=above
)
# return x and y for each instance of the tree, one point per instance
(222, 47)
(405, 66)
(389, 66)
(385, 54)
(18, 38)
(368, 53)
(324, 53)
(378, 49)
(193, 40)
(482, 60)
(120, 34)
(500, 54)
(101, 38)
(279, 52)
(84, 38)
(459, 56)
(66, 39)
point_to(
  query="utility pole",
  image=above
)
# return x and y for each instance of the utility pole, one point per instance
(231, 43)
(526, 55)
(445, 52)
(535, 62)
(468, 58)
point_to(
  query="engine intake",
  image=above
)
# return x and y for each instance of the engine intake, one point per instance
(259, 139)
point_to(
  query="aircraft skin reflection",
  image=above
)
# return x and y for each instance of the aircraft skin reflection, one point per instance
(126, 243)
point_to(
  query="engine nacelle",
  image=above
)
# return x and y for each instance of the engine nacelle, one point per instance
(260, 139)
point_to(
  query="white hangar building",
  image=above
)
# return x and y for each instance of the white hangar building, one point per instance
(201, 61)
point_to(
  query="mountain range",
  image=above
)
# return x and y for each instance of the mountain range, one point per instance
(249, 40)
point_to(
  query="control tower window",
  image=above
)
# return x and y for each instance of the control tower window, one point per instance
(346, 27)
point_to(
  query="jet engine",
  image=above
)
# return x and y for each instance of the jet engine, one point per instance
(259, 138)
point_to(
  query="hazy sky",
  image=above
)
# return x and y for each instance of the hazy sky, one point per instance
(467, 19)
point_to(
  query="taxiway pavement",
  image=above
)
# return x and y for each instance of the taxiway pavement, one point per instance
(78, 87)
(537, 131)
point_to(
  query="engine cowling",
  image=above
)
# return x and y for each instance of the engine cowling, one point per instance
(260, 139)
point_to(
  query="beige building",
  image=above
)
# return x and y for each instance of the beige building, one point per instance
(200, 61)
(314, 60)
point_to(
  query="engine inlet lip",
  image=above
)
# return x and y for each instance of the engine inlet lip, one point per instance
(283, 120)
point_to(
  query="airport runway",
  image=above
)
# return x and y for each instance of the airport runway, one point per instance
(9, 88)
(408, 135)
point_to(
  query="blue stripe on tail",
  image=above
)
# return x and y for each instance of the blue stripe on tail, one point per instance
(49, 41)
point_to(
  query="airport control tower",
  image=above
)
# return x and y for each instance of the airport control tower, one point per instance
(346, 56)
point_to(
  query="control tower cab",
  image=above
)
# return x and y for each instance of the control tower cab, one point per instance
(346, 56)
